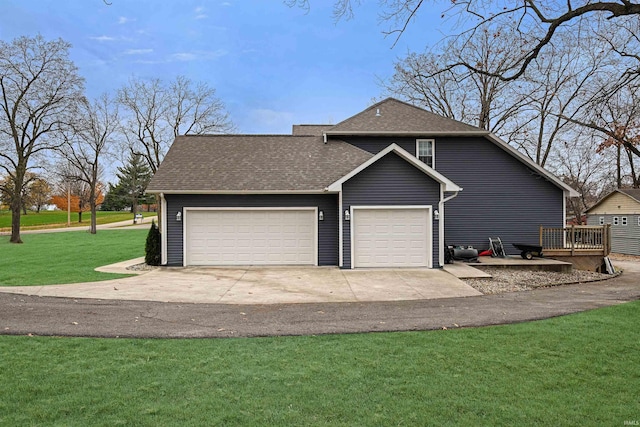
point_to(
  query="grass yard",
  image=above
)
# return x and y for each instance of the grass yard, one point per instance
(55, 219)
(579, 369)
(67, 257)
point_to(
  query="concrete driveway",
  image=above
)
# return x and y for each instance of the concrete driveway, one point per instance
(263, 285)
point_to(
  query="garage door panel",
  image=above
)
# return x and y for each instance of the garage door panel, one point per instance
(249, 237)
(385, 237)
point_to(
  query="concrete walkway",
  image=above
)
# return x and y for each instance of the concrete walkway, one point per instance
(38, 315)
(263, 285)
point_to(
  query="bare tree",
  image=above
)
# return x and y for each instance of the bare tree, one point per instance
(538, 22)
(582, 168)
(40, 85)
(616, 118)
(86, 146)
(559, 86)
(157, 112)
(475, 98)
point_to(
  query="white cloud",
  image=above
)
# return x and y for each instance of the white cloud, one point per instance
(124, 20)
(137, 51)
(103, 38)
(200, 13)
(197, 55)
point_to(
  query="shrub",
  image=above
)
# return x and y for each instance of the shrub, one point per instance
(152, 246)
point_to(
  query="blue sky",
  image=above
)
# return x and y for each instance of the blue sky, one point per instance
(271, 65)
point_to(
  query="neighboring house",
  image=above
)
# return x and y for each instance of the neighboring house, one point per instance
(621, 209)
(388, 187)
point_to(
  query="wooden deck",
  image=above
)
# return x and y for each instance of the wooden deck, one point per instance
(577, 240)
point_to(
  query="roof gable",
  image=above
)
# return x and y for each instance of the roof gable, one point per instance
(629, 200)
(392, 116)
(395, 148)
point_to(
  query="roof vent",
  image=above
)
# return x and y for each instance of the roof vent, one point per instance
(378, 112)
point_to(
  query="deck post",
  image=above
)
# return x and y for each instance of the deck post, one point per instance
(540, 235)
(573, 239)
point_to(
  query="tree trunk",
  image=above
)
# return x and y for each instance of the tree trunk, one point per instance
(92, 204)
(15, 220)
(80, 216)
(16, 202)
(619, 167)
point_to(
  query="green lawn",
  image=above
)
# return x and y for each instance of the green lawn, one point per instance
(67, 257)
(59, 219)
(574, 370)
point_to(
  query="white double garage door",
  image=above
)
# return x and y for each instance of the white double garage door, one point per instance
(381, 237)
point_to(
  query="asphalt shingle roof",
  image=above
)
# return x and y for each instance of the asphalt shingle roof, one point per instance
(400, 117)
(236, 163)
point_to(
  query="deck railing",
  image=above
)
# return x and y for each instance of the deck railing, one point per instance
(577, 238)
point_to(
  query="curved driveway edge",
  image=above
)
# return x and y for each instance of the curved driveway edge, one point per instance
(22, 314)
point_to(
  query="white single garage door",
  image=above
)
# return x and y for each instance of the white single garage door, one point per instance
(250, 237)
(386, 237)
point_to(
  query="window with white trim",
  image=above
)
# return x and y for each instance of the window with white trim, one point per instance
(425, 151)
(624, 220)
(616, 220)
(601, 220)
(639, 221)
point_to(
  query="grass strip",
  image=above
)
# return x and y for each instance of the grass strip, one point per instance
(67, 257)
(57, 219)
(581, 368)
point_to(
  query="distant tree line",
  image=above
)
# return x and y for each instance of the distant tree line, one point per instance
(55, 142)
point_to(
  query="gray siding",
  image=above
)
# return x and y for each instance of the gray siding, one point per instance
(625, 239)
(389, 181)
(327, 229)
(502, 197)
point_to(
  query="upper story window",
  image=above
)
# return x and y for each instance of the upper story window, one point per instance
(616, 220)
(601, 220)
(425, 151)
(624, 220)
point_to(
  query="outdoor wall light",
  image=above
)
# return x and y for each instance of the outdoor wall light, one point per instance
(321, 216)
(347, 215)
(179, 216)
(436, 215)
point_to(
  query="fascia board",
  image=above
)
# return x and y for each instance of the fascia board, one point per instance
(426, 133)
(240, 192)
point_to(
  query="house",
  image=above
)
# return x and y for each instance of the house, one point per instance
(388, 187)
(621, 209)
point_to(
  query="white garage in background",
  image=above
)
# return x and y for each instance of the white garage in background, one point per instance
(390, 236)
(250, 236)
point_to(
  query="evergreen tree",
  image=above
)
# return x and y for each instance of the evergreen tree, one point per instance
(133, 179)
(152, 246)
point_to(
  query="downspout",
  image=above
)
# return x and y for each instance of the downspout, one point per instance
(163, 231)
(443, 200)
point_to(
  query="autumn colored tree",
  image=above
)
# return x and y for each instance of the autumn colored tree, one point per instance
(79, 199)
